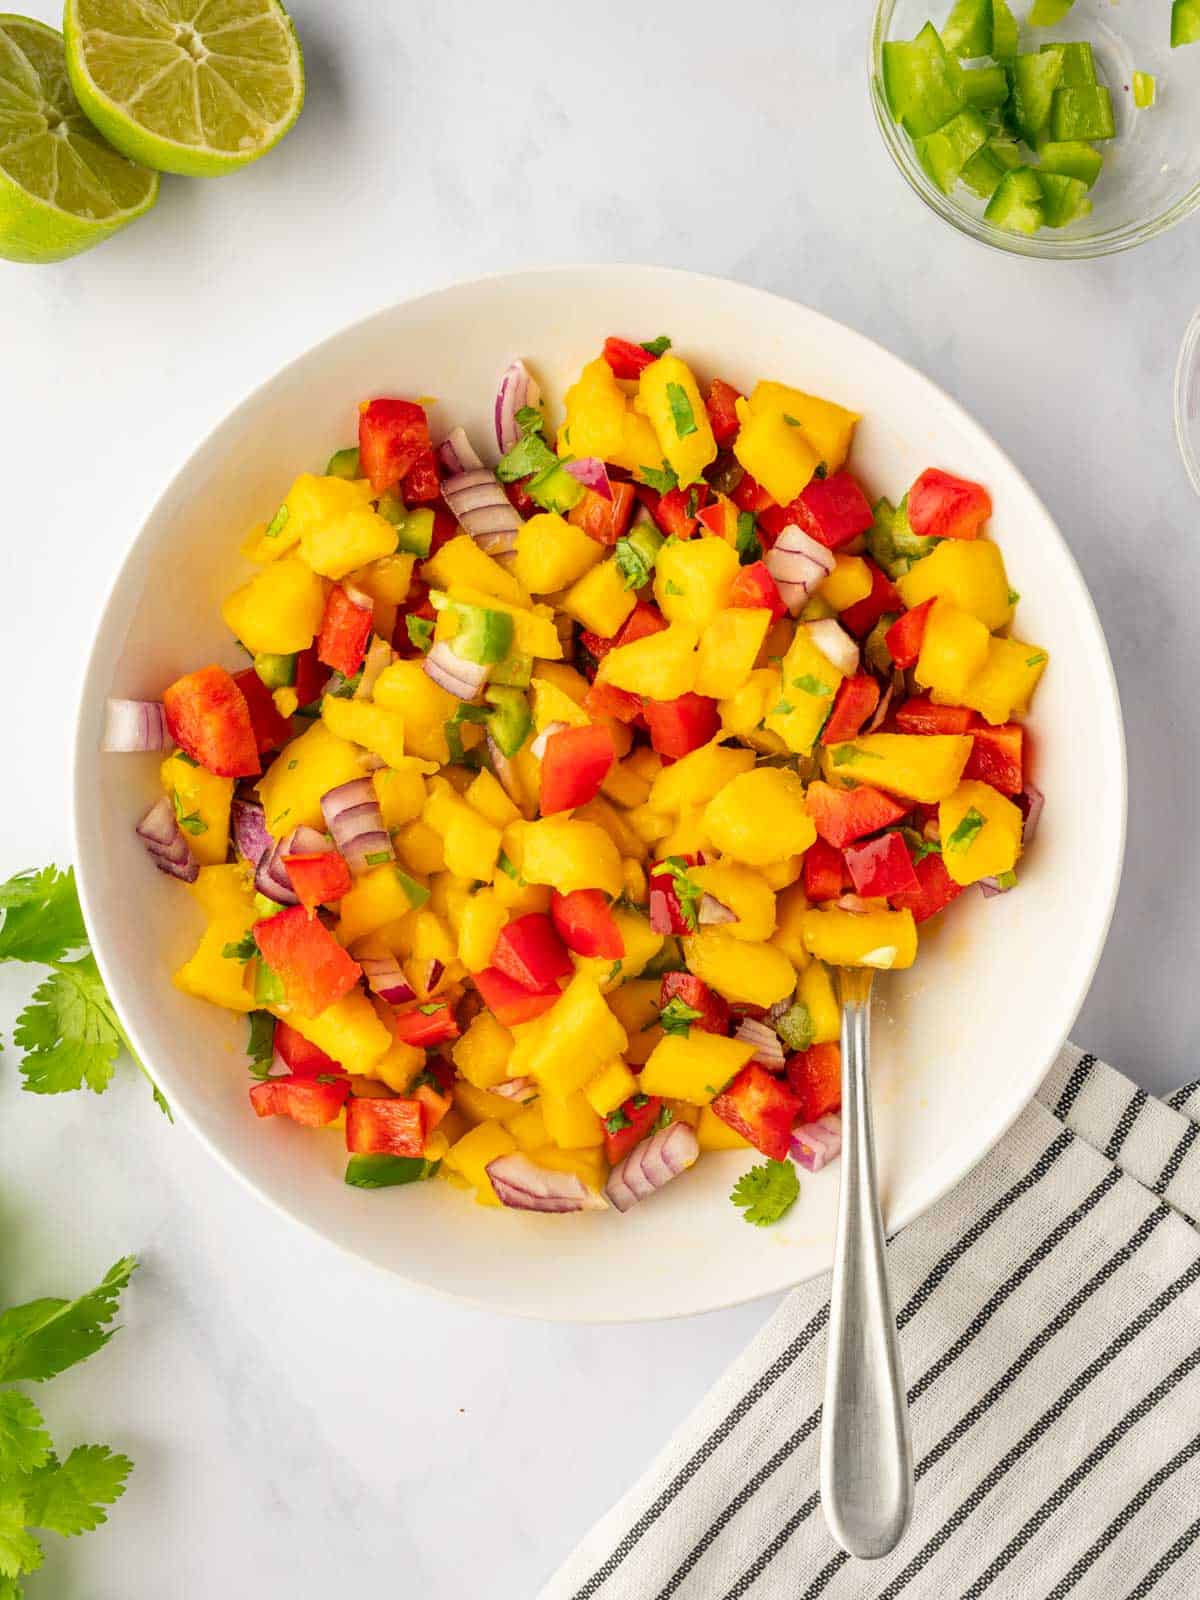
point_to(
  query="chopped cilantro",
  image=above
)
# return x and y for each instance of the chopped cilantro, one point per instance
(822, 471)
(242, 950)
(766, 1193)
(260, 1046)
(1036, 659)
(849, 755)
(616, 1120)
(782, 708)
(971, 825)
(278, 522)
(432, 1007)
(416, 893)
(420, 631)
(377, 858)
(328, 1077)
(688, 894)
(682, 414)
(672, 587)
(1013, 597)
(614, 970)
(292, 765)
(918, 845)
(792, 422)
(341, 687)
(530, 420)
(664, 481)
(193, 823)
(639, 1100)
(810, 685)
(677, 1016)
(657, 347)
(1007, 880)
(188, 761)
(506, 866)
(664, 1119)
(749, 545)
(635, 561)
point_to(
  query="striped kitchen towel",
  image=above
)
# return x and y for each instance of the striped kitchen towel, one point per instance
(1049, 1310)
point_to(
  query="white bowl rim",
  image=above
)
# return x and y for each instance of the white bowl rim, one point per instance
(900, 1216)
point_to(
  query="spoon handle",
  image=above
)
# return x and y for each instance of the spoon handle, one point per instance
(866, 1452)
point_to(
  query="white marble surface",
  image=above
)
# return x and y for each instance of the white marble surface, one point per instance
(298, 1422)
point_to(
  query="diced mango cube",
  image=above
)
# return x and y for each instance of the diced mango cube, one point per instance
(552, 553)
(692, 580)
(611, 1087)
(847, 584)
(599, 601)
(695, 1066)
(483, 918)
(788, 936)
(202, 802)
(279, 610)
(746, 895)
(568, 855)
(774, 451)
(760, 817)
(460, 563)
(661, 666)
(728, 649)
(970, 572)
(569, 1043)
(528, 1127)
(373, 900)
(1004, 685)
(471, 1155)
(885, 940)
(348, 1030)
(670, 398)
(400, 791)
(571, 1122)
(304, 770)
(374, 727)
(981, 832)
(482, 1053)
(953, 649)
(916, 766)
(745, 973)
(714, 1133)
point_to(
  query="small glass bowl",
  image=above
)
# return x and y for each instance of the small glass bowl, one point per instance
(1187, 401)
(1151, 176)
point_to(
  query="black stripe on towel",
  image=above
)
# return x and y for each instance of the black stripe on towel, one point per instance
(1127, 1119)
(1190, 1134)
(1072, 1087)
(1167, 1560)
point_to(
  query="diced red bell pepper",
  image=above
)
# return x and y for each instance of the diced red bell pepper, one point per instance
(854, 703)
(695, 994)
(385, 1127)
(881, 867)
(998, 757)
(934, 892)
(575, 763)
(825, 875)
(586, 924)
(508, 1002)
(271, 731)
(941, 506)
(666, 909)
(720, 519)
(303, 1058)
(637, 1121)
(920, 715)
(443, 1071)
(843, 815)
(312, 1104)
(641, 622)
(422, 485)
(815, 1077)
(761, 1109)
(530, 952)
(208, 718)
(833, 510)
(756, 590)
(627, 360)
(426, 1028)
(679, 726)
(345, 629)
(445, 523)
(722, 415)
(318, 879)
(751, 496)
(862, 616)
(433, 1104)
(606, 700)
(312, 966)
(906, 634)
(311, 676)
(601, 519)
(391, 435)
(677, 511)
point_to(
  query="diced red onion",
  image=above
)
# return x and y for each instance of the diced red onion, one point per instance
(518, 389)
(1031, 800)
(894, 687)
(250, 835)
(835, 644)
(522, 1090)
(712, 912)
(798, 564)
(160, 832)
(378, 658)
(272, 878)
(990, 887)
(768, 1050)
(457, 454)
(538, 747)
(816, 1144)
(523, 1186)
(502, 767)
(353, 817)
(591, 472)
(385, 978)
(773, 1013)
(483, 510)
(132, 726)
(932, 831)
(430, 975)
(651, 1164)
(463, 679)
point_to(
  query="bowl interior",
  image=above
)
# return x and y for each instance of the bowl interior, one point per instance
(1187, 401)
(1151, 175)
(962, 1040)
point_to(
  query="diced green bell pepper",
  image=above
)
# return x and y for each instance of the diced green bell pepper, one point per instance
(509, 721)
(945, 152)
(277, 672)
(1045, 13)
(985, 87)
(484, 636)
(1004, 31)
(514, 672)
(1065, 198)
(967, 33)
(636, 554)
(875, 649)
(1083, 114)
(414, 531)
(1035, 78)
(343, 463)
(1185, 23)
(922, 82)
(1078, 64)
(795, 1026)
(986, 168)
(386, 1172)
(268, 985)
(1073, 158)
(555, 490)
(1145, 88)
(1017, 204)
(892, 544)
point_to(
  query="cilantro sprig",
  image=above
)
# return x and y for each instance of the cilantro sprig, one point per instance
(766, 1193)
(688, 893)
(69, 1032)
(39, 1491)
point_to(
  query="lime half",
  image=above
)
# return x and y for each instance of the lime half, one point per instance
(62, 189)
(198, 87)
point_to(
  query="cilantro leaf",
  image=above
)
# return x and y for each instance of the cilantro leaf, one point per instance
(677, 1016)
(664, 481)
(682, 414)
(68, 1496)
(664, 1119)
(260, 1045)
(655, 347)
(46, 1337)
(24, 1442)
(242, 949)
(749, 545)
(849, 755)
(69, 1031)
(19, 1550)
(1036, 659)
(530, 420)
(278, 522)
(688, 894)
(420, 631)
(633, 563)
(618, 1119)
(672, 587)
(810, 685)
(42, 919)
(766, 1193)
(971, 825)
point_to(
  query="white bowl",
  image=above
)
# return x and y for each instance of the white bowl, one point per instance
(962, 1040)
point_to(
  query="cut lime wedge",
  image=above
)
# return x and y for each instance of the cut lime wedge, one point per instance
(198, 87)
(62, 189)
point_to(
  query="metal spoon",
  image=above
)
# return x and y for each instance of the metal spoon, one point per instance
(866, 1452)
